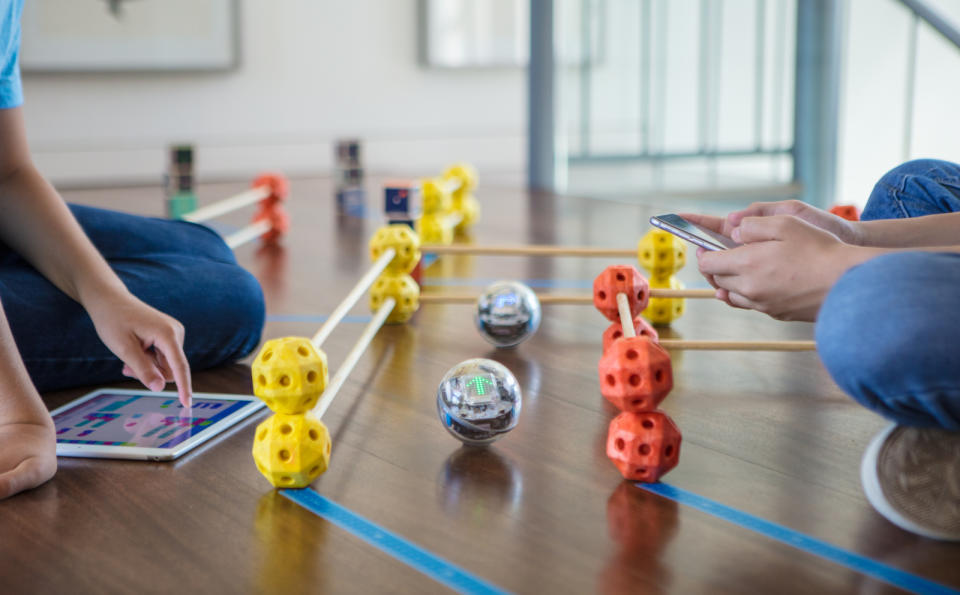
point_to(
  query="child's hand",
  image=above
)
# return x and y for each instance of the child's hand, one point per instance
(720, 225)
(785, 267)
(847, 231)
(149, 342)
(28, 456)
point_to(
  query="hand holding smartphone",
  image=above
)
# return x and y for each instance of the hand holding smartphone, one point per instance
(700, 236)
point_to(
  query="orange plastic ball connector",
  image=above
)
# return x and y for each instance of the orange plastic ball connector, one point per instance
(278, 218)
(635, 374)
(644, 446)
(620, 278)
(278, 185)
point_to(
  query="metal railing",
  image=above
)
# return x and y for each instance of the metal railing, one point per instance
(708, 114)
(922, 12)
(812, 144)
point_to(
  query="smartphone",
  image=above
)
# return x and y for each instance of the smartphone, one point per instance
(692, 232)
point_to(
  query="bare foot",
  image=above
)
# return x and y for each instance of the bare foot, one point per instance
(28, 456)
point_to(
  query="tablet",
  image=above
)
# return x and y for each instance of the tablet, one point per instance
(136, 424)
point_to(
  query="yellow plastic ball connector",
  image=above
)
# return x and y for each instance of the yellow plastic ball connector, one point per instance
(291, 450)
(663, 311)
(289, 374)
(402, 239)
(661, 253)
(401, 288)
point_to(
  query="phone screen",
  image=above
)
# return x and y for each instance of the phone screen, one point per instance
(692, 232)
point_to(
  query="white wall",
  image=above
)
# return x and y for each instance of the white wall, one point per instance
(311, 71)
(314, 70)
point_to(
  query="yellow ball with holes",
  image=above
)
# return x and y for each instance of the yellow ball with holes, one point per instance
(465, 174)
(291, 450)
(433, 229)
(289, 374)
(402, 239)
(401, 288)
(467, 207)
(661, 253)
(663, 311)
(435, 198)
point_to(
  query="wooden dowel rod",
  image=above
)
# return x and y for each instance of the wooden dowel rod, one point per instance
(453, 219)
(354, 356)
(738, 345)
(232, 203)
(626, 321)
(521, 250)
(451, 185)
(683, 293)
(355, 294)
(561, 298)
(245, 234)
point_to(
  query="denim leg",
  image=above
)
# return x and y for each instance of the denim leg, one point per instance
(122, 235)
(915, 188)
(179, 268)
(888, 334)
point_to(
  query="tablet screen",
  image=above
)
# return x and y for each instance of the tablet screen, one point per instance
(150, 421)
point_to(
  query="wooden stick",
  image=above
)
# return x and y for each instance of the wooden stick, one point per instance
(561, 298)
(450, 185)
(354, 356)
(232, 203)
(738, 345)
(245, 234)
(453, 219)
(521, 250)
(626, 321)
(355, 294)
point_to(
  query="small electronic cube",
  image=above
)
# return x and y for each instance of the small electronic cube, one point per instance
(399, 201)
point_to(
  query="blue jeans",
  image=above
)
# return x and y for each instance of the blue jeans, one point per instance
(889, 330)
(179, 268)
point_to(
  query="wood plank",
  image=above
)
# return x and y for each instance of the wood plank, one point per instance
(542, 510)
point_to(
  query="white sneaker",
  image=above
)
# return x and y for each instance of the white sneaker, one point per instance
(912, 477)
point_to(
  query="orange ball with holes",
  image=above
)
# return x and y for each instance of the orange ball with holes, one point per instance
(640, 326)
(635, 374)
(277, 184)
(620, 278)
(643, 446)
(278, 218)
(848, 212)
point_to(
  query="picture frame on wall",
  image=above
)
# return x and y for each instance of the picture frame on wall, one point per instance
(129, 35)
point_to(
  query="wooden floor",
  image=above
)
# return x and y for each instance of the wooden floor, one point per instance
(541, 511)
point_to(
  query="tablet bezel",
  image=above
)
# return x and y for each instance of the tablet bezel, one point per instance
(103, 451)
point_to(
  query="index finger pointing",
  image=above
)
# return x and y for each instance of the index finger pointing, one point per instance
(177, 360)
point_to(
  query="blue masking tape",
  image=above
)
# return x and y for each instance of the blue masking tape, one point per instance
(392, 544)
(851, 560)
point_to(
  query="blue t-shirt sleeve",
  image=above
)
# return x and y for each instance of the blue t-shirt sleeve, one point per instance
(11, 89)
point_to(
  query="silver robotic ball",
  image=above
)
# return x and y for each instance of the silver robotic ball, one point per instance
(478, 401)
(508, 313)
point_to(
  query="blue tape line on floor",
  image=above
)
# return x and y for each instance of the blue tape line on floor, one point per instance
(392, 544)
(853, 561)
(316, 318)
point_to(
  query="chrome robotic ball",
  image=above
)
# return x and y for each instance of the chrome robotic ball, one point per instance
(508, 312)
(478, 400)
